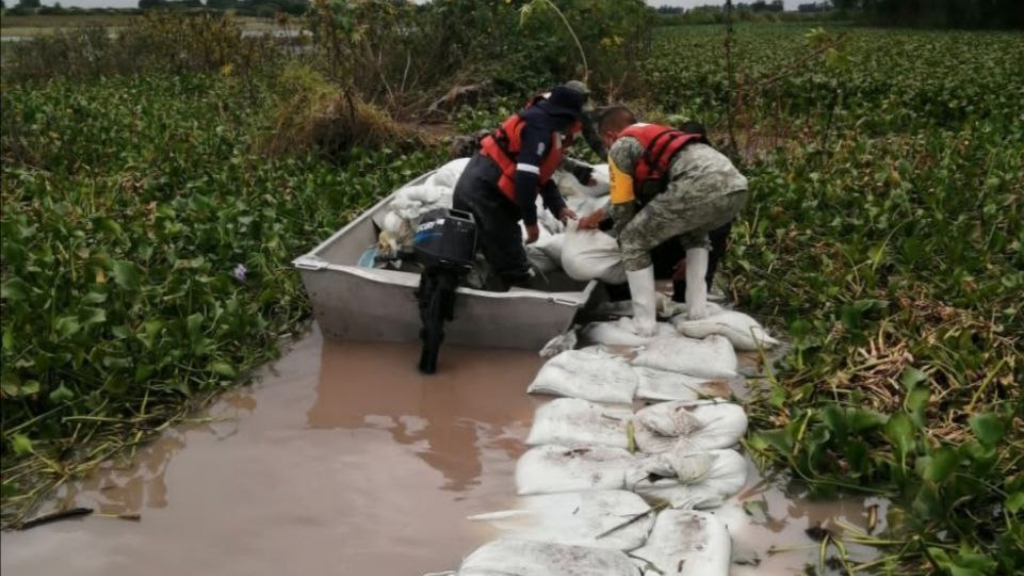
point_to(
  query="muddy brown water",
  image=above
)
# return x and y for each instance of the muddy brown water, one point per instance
(342, 459)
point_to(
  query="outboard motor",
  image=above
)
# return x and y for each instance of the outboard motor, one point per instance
(445, 245)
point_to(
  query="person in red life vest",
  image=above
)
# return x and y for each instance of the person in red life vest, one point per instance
(665, 184)
(463, 146)
(513, 165)
(669, 257)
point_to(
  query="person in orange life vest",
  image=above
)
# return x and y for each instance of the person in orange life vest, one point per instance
(669, 257)
(513, 165)
(666, 183)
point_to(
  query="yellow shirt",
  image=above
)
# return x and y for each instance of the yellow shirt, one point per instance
(621, 184)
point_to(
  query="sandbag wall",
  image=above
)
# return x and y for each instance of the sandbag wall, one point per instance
(626, 467)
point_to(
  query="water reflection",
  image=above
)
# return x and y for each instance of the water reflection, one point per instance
(475, 403)
(349, 458)
(135, 482)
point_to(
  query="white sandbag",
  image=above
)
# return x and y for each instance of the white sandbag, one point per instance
(574, 422)
(518, 557)
(668, 308)
(588, 376)
(550, 469)
(546, 219)
(559, 344)
(551, 245)
(743, 332)
(661, 385)
(540, 261)
(427, 195)
(665, 307)
(412, 202)
(577, 518)
(691, 425)
(598, 350)
(712, 357)
(686, 543)
(620, 333)
(584, 205)
(449, 174)
(592, 255)
(569, 186)
(542, 233)
(396, 225)
(396, 235)
(689, 479)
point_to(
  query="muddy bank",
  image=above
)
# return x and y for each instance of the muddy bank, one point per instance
(342, 460)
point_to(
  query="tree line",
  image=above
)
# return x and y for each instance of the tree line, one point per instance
(265, 8)
(940, 13)
(246, 7)
(923, 13)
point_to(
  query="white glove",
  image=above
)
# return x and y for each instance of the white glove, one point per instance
(696, 286)
(641, 287)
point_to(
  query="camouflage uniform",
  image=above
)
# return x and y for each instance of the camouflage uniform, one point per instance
(704, 192)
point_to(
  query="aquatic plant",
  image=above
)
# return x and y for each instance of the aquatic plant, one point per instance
(129, 207)
(885, 233)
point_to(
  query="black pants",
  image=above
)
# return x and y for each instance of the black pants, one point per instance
(498, 235)
(666, 255)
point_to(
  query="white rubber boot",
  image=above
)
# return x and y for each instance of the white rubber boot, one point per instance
(641, 288)
(696, 285)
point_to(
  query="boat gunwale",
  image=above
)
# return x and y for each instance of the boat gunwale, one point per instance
(312, 262)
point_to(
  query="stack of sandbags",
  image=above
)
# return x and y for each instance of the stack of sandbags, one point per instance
(711, 357)
(570, 187)
(686, 479)
(686, 543)
(683, 478)
(742, 331)
(591, 518)
(692, 425)
(575, 422)
(412, 202)
(553, 468)
(596, 465)
(521, 557)
(449, 174)
(593, 374)
(676, 451)
(592, 255)
(660, 385)
(621, 333)
(681, 542)
(588, 376)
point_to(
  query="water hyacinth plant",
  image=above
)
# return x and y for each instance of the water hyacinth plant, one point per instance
(146, 259)
(885, 233)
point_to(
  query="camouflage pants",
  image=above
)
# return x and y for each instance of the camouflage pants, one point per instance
(687, 208)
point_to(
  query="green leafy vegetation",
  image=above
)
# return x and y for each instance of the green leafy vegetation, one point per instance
(885, 233)
(146, 258)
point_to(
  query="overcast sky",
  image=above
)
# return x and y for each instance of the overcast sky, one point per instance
(790, 4)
